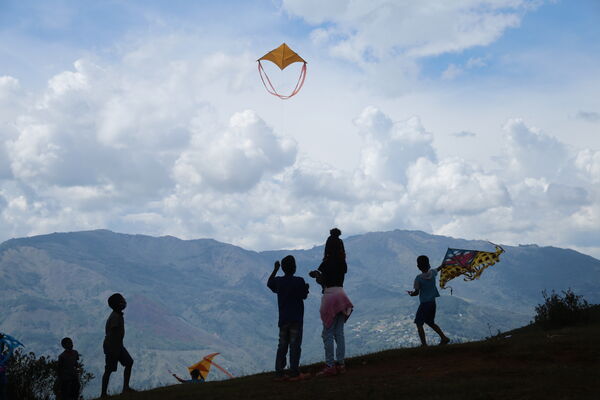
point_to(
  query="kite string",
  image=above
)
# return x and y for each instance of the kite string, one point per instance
(271, 89)
(222, 369)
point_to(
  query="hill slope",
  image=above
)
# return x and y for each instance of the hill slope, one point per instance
(188, 298)
(527, 363)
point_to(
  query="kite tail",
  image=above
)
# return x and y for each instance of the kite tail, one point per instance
(271, 89)
(222, 369)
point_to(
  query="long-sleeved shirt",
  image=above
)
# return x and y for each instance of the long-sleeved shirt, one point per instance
(291, 292)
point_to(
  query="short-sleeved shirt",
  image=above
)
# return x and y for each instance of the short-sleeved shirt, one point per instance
(291, 292)
(115, 331)
(425, 284)
(67, 365)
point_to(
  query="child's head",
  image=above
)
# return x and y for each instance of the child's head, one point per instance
(67, 343)
(195, 373)
(423, 263)
(117, 302)
(288, 265)
(335, 232)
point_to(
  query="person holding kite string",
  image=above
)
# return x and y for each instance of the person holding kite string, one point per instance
(425, 288)
(291, 292)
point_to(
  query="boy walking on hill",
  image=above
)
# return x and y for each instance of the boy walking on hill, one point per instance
(426, 289)
(291, 291)
(114, 350)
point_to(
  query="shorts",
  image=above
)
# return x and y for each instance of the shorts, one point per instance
(425, 313)
(113, 358)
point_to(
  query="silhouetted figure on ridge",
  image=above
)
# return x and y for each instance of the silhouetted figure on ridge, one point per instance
(336, 307)
(291, 291)
(425, 288)
(114, 350)
(194, 374)
(67, 372)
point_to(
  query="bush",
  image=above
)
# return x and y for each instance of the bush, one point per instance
(557, 311)
(32, 378)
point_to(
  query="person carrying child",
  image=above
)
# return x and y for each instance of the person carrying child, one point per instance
(291, 291)
(114, 350)
(195, 377)
(68, 372)
(336, 307)
(425, 287)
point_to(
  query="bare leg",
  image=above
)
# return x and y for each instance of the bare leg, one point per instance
(438, 330)
(126, 377)
(105, 379)
(422, 335)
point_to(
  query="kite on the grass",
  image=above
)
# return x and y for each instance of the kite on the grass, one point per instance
(282, 57)
(469, 263)
(204, 366)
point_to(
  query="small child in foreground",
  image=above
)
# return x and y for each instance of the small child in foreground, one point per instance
(425, 288)
(68, 372)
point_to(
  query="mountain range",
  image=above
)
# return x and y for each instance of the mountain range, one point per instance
(188, 298)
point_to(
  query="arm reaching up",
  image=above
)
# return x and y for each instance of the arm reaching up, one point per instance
(272, 282)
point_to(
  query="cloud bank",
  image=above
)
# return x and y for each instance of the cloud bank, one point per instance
(155, 139)
(105, 146)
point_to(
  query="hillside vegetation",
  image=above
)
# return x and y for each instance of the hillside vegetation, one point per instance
(526, 363)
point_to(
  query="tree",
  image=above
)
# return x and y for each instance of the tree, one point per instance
(559, 311)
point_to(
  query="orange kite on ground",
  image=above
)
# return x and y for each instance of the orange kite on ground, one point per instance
(204, 366)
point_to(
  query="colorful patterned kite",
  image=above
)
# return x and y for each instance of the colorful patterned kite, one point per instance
(282, 57)
(469, 263)
(204, 366)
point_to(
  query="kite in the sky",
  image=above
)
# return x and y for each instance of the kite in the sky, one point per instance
(469, 263)
(204, 366)
(282, 57)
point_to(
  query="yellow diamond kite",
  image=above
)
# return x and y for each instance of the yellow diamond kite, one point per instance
(282, 57)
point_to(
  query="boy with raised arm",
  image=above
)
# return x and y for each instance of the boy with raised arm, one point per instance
(291, 291)
(425, 287)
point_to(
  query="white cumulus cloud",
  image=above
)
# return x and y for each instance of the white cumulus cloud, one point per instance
(382, 28)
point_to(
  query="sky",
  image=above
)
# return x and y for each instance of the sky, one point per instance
(477, 119)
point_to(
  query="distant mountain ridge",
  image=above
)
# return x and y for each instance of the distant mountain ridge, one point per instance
(190, 297)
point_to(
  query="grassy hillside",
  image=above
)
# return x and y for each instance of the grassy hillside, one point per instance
(527, 363)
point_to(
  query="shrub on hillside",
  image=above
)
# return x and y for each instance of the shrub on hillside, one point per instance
(558, 311)
(33, 378)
